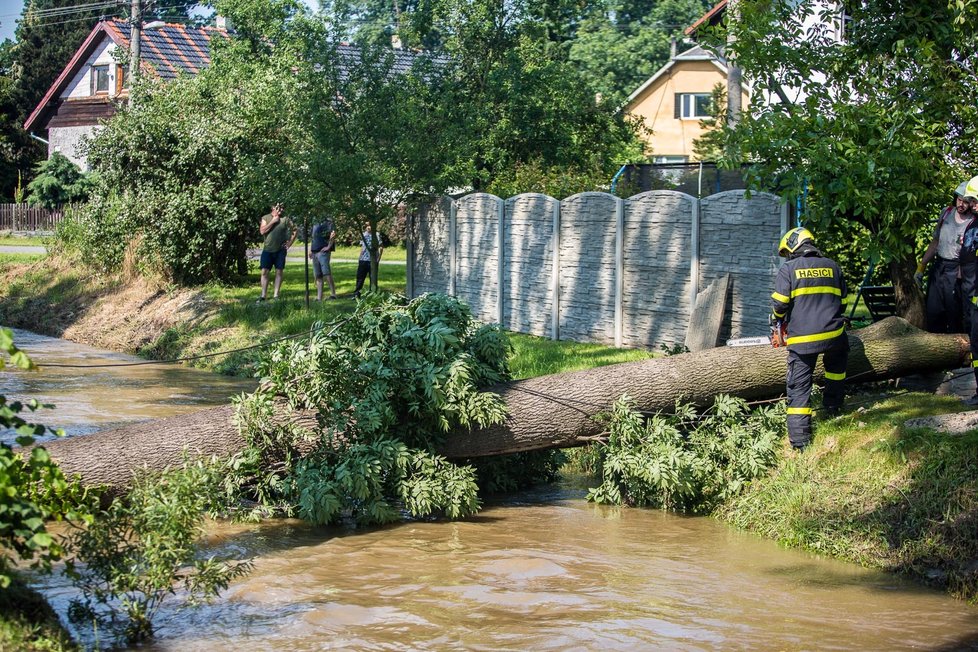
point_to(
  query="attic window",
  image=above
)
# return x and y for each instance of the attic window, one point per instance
(100, 80)
(693, 106)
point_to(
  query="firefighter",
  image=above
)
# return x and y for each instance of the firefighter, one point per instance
(807, 307)
(951, 280)
(969, 196)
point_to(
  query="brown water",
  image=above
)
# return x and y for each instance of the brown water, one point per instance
(96, 398)
(544, 570)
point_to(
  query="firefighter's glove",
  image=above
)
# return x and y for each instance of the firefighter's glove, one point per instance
(777, 331)
(918, 277)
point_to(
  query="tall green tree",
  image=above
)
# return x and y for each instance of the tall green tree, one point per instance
(876, 129)
(18, 151)
(623, 43)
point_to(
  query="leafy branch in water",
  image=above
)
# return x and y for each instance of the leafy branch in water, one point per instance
(33, 490)
(684, 461)
(389, 383)
(139, 550)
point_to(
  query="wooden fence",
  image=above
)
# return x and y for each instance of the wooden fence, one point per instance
(23, 217)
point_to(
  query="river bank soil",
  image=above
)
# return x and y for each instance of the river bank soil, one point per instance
(58, 298)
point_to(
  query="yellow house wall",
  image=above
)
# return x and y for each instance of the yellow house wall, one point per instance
(673, 136)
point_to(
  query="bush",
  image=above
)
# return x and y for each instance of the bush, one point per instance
(32, 489)
(685, 461)
(139, 550)
(58, 182)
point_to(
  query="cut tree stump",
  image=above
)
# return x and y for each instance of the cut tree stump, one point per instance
(546, 412)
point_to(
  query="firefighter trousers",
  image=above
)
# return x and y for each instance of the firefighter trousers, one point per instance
(945, 299)
(801, 368)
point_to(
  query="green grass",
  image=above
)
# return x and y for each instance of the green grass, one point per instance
(27, 623)
(874, 492)
(18, 259)
(15, 241)
(537, 356)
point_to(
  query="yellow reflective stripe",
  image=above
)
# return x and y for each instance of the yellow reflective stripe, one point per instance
(780, 297)
(974, 363)
(804, 410)
(831, 376)
(817, 337)
(779, 315)
(974, 300)
(816, 289)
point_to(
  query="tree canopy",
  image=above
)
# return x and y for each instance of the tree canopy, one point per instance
(875, 129)
(357, 132)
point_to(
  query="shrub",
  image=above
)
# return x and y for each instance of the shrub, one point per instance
(685, 461)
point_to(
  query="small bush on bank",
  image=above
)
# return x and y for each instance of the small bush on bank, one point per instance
(685, 461)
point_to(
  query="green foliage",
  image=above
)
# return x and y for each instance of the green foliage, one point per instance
(138, 551)
(32, 489)
(57, 182)
(873, 127)
(389, 382)
(188, 194)
(684, 461)
(620, 44)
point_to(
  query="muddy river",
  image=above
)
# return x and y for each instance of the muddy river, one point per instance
(543, 570)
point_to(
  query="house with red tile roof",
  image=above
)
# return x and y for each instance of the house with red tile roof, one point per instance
(93, 84)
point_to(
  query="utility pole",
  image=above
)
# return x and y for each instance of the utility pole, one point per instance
(735, 76)
(135, 27)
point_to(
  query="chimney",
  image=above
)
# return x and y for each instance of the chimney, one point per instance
(396, 42)
(672, 48)
(220, 22)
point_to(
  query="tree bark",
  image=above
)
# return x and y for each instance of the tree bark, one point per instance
(547, 412)
(908, 298)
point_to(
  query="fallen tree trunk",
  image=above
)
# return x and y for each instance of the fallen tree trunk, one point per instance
(546, 412)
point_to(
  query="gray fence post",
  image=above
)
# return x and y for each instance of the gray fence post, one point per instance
(452, 248)
(409, 252)
(619, 269)
(555, 280)
(501, 267)
(694, 265)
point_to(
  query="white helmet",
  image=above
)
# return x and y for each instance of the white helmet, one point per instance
(971, 190)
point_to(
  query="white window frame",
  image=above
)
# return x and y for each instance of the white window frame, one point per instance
(688, 106)
(95, 79)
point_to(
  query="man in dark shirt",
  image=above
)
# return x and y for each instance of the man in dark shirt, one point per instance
(321, 247)
(808, 303)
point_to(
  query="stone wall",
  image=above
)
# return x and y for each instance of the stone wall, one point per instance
(626, 271)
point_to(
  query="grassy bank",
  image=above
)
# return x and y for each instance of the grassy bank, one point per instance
(28, 624)
(64, 299)
(879, 494)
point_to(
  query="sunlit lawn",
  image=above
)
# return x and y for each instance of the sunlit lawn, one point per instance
(14, 241)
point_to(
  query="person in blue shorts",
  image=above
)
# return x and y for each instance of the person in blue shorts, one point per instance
(279, 232)
(320, 249)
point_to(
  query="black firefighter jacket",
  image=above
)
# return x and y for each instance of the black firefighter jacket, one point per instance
(808, 295)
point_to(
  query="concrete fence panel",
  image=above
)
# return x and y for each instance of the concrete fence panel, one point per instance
(587, 267)
(528, 264)
(430, 253)
(596, 268)
(739, 236)
(477, 222)
(658, 257)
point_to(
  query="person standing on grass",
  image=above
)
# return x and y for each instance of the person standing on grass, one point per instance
(280, 233)
(951, 280)
(320, 249)
(363, 264)
(807, 302)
